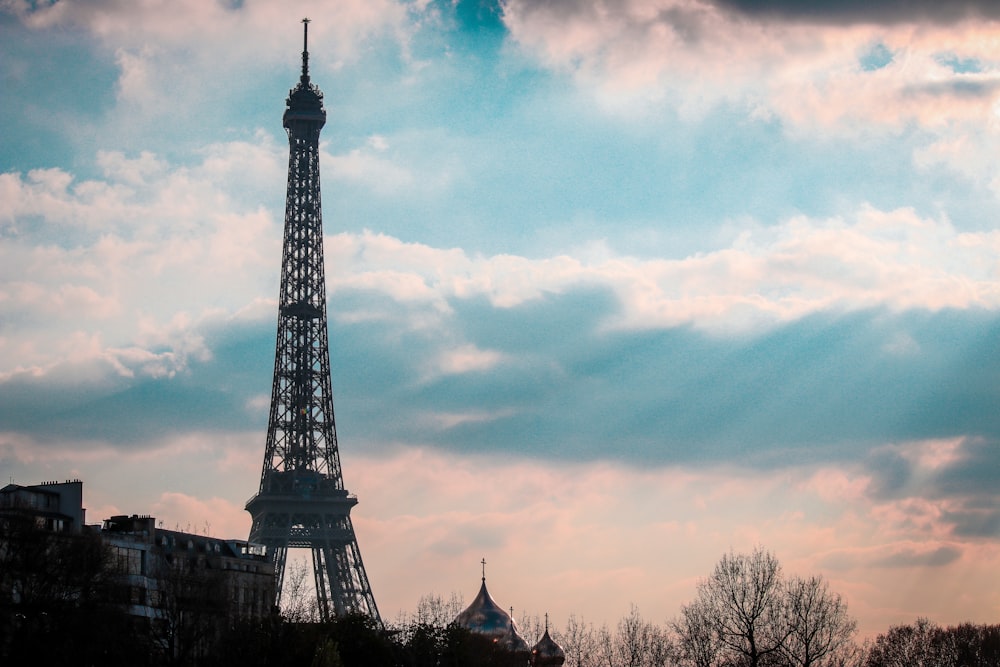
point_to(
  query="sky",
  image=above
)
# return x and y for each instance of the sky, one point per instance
(615, 287)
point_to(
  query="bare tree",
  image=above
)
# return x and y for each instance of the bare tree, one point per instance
(189, 608)
(916, 645)
(298, 603)
(820, 631)
(579, 643)
(632, 640)
(605, 647)
(662, 652)
(744, 595)
(698, 642)
(976, 645)
(635, 642)
(531, 627)
(56, 585)
(435, 610)
(852, 655)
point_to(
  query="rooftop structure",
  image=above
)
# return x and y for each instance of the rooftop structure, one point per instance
(55, 506)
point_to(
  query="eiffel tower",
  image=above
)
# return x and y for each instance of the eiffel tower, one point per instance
(302, 502)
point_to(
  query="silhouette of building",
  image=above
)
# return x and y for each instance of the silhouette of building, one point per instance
(51, 570)
(53, 506)
(302, 502)
(232, 579)
(176, 591)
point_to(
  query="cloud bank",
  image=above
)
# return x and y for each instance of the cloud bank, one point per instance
(689, 276)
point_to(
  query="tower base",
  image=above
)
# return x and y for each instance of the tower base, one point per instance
(309, 516)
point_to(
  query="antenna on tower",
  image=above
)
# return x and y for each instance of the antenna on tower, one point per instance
(305, 49)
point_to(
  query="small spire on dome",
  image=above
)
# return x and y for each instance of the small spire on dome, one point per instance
(305, 49)
(484, 569)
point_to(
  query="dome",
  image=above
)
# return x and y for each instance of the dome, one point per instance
(513, 642)
(547, 652)
(485, 617)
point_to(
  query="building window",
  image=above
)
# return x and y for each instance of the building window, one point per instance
(128, 561)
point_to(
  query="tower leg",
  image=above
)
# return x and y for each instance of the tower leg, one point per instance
(337, 566)
(279, 556)
(322, 579)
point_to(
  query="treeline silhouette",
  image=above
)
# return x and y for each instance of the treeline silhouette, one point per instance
(60, 603)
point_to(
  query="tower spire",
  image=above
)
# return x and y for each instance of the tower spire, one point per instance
(305, 50)
(302, 502)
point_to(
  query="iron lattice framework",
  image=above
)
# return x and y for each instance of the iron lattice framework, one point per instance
(302, 502)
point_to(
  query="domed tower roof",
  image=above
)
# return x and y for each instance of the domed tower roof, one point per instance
(512, 641)
(485, 617)
(547, 651)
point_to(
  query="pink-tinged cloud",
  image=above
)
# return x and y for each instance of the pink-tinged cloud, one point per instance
(816, 79)
(217, 32)
(574, 538)
(699, 55)
(215, 517)
(565, 538)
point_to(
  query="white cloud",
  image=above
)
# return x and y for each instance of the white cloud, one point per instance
(699, 55)
(638, 55)
(769, 275)
(366, 167)
(152, 247)
(136, 260)
(174, 61)
(447, 420)
(219, 33)
(131, 171)
(465, 359)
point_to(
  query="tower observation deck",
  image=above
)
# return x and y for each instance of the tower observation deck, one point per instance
(302, 502)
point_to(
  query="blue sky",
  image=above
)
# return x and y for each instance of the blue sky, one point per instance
(614, 287)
